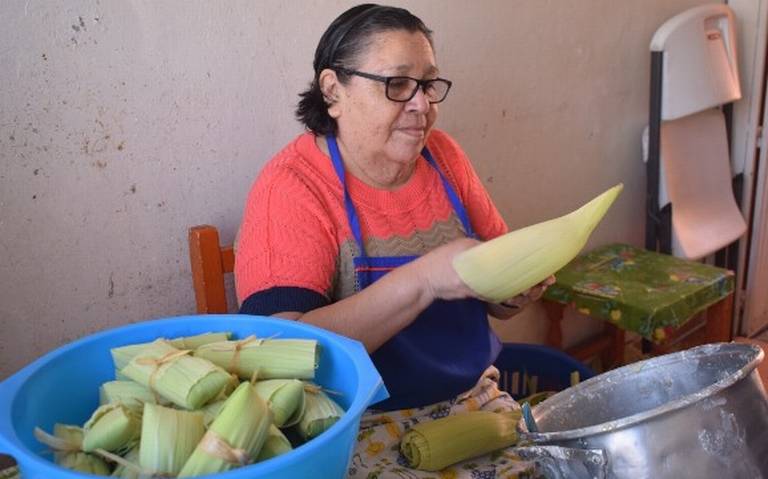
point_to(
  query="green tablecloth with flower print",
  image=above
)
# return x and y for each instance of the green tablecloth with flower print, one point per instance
(639, 290)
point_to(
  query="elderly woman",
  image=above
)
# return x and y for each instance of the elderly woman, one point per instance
(353, 226)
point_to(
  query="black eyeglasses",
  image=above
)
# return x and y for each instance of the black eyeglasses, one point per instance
(402, 88)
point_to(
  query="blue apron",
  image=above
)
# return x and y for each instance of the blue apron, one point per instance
(443, 352)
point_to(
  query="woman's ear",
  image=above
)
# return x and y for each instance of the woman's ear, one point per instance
(330, 86)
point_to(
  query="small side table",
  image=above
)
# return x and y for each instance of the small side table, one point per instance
(631, 289)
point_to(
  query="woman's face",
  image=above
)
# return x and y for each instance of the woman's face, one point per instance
(369, 123)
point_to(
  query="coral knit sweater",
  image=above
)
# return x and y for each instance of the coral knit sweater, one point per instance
(295, 245)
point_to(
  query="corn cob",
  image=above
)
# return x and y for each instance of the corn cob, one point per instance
(168, 437)
(112, 427)
(264, 358)
(67, 445)
(435, 445)
(506, 266)
(235, 437)
(275, 444)
(187, 382)
(320, 413)
(285, 398)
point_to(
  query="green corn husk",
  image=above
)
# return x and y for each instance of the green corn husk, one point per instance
(264, 358)
(186, 381)
(506, 266)
(235, 437)
(194, 342)
(168, 437)
(112, 427)
(128, 393)
(275, 444)
(285, 398)
(122, 355)
(320, 413)
(124, 472)
(211, 410)
(67, 444)
(435, 445)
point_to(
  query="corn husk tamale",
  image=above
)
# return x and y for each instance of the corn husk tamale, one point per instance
(235, 437)
(112, 427)
(264, 358)
(124, 472)
(122, 355)
(435, 445)
(194, 342)
(128, 393)
(320, 413)
(211, 410)
(67, 445)
(186, 381)
(168, 437)
(285, 398)
(275, 444)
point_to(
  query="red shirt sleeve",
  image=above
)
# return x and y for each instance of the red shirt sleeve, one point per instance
(281, 244)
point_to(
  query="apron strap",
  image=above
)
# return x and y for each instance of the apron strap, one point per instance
(354, 221)
(338, 165)
(458, 207)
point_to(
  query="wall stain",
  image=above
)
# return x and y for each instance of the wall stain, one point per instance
(111, 287)
(121, 146)
(36, 171)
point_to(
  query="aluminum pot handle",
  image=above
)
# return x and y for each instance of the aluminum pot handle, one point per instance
(556, 462)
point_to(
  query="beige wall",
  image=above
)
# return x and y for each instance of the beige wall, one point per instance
(124, 122)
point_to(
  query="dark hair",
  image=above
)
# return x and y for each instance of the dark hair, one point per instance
(341, 45)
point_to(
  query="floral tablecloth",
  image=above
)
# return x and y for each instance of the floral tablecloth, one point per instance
(639, 290)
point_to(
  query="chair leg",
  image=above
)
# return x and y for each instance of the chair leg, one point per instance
(613, 356)
(554, 312)
(718, 328)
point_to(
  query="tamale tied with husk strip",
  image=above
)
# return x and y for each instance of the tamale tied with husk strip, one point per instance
(129, 467)
(285, 398)
(320, 413)
(67, 445)
(112, 427)
(188, 382)
(122, 355)
(168, 437)
(435, 445)
(268, 358)
(275, 445)
(128, 393)
(235, 437)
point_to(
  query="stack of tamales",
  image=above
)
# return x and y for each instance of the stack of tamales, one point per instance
(190, 406)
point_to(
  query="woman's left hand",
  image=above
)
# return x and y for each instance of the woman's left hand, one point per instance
(512, 306)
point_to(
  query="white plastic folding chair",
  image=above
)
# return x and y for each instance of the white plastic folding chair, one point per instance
(691, 209)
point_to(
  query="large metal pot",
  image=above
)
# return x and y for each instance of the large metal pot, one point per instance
(700, 413)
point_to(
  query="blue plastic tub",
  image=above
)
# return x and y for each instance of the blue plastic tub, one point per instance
(62, 386)
(551, 367)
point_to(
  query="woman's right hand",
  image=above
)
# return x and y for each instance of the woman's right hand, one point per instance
(436, 272)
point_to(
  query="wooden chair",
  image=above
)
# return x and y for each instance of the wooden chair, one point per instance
(210, 263)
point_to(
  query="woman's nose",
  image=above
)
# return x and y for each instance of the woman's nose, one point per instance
(419, 102)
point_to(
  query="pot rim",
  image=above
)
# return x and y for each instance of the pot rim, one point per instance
(685, 401)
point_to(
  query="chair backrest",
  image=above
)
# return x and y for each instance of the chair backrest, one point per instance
(210, 263)
(692, 211)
